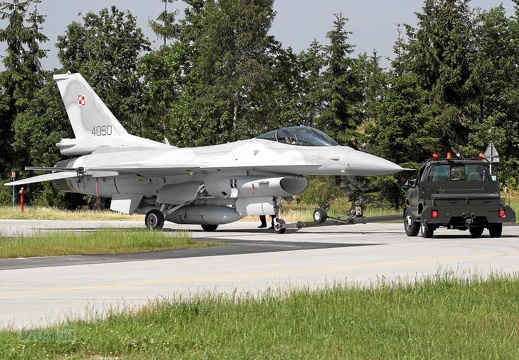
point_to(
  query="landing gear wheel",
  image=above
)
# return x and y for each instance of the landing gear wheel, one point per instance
(320, 215)
(278, 226)
(412, 228)
(427, 231)
(476, 231)
(154, 219)
(495, 229)
(209, 227)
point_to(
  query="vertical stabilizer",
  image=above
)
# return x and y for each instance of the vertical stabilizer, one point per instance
(88, 115)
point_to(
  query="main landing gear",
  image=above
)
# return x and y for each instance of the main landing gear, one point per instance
(154, 219)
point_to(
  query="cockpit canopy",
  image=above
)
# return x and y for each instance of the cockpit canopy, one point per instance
(299, 135)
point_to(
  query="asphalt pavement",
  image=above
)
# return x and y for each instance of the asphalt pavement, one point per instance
(43, 291)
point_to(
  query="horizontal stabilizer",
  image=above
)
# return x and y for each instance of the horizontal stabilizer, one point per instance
(46, 177)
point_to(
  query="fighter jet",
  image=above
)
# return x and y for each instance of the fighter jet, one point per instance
(208, 185)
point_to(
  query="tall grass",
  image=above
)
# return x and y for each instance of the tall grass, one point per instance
(101, 241)
(441, 317)
(290, 212)
(46, 213)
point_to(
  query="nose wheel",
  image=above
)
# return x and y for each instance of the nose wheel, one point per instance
(279, 226)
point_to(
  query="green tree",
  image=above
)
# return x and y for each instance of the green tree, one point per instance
(374, 81)
(228, 80)
(23, 74)
(43, 124)
(342, 85)
(312, 63)
(106, 50)
(161, 76)
(441, 53)
(165, 26)
(495, 75)
(495, 110)
(284, 102)
(402, 129)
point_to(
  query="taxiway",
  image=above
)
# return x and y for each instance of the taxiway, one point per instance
(42, 291)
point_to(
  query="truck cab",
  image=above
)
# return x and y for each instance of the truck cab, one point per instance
(457, 194)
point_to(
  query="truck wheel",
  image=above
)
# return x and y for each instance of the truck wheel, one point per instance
(476, 231)
(320, 215)
(495, 229)
(427, 231)
(412, 228)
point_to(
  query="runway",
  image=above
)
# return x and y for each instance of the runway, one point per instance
(43, 291)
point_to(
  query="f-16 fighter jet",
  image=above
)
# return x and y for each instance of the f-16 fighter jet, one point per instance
(209, 185)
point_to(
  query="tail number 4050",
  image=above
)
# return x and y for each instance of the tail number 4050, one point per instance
(104, 130)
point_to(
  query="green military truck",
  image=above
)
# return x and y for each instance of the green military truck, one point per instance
(456, 194)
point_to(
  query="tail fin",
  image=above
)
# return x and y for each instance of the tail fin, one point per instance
(87, 113)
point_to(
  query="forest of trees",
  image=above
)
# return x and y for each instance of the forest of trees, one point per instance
(219, 76)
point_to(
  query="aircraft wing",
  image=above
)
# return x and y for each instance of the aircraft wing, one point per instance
(69, 174)
(182, 170)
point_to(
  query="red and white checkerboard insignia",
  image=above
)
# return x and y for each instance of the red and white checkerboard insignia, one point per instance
(81, 99)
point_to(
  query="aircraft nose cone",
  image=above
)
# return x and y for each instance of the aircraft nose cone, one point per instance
(364, 164)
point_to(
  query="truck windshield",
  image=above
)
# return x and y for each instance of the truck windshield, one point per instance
(458, 172)
(299, 135)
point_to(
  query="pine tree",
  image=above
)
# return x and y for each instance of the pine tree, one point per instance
(228, 71)
(441, 54)
(23, 74)
(165, 26)
(342, 85)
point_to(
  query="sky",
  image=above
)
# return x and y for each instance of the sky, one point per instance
(296, 25)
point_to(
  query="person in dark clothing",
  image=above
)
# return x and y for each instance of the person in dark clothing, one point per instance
(263, 220)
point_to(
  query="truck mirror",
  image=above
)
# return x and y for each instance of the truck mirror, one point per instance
(409, 184)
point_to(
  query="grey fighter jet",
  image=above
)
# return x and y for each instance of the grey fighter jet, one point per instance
(208, 185)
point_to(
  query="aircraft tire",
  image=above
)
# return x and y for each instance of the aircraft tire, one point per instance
(154, 219)
(209, 227)
(278, 226)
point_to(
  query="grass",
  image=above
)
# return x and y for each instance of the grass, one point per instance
(101, 241)
(46, 213)
(442, 317)
(290, 212)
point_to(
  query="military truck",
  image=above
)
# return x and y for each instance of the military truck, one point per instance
(458, 194)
